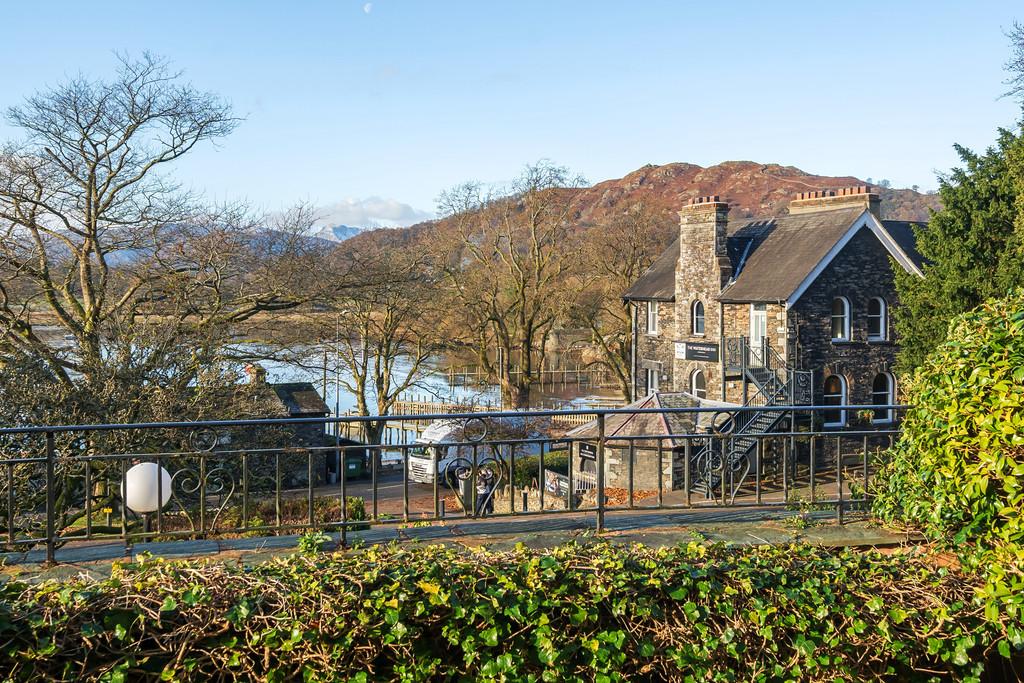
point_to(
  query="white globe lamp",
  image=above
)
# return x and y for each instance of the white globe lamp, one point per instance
(146, 487)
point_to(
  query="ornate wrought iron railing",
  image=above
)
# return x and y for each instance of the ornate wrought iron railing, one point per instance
(61, 484)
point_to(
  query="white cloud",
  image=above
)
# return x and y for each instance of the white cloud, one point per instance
(370, 212)
(368, 7)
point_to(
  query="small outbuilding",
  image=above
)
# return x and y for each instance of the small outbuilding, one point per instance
(650, 437)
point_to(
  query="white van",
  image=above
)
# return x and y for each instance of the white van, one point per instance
(445, 441)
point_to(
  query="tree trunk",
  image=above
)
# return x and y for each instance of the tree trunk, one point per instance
(374, 430)
(515, 395)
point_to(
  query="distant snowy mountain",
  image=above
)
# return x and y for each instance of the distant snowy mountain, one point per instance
(338, 233)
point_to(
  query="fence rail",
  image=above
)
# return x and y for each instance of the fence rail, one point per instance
(589, 376)
(92, 483)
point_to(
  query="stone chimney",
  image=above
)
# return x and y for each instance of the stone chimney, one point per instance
(702, 237)
(843, 198)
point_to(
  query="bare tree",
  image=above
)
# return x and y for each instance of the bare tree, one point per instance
(118, 291)
(504, 256)
(388, 335)
(98, 241)
(1015, 65)
(612, 255)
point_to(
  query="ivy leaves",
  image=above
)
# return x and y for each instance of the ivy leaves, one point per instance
(576, 612)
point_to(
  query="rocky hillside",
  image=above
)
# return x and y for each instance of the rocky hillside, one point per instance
(751, 188)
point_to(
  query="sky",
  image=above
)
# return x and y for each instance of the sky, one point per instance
(371, 109)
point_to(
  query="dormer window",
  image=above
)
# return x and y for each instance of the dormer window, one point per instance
(652, 317)
(877, 323)
(697, 327)
(840, 319)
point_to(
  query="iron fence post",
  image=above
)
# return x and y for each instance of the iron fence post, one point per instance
(343, 477)
(839, 479)
(51, 502)
(864, 495)
(600, 472)
(687, 452)
(540, 472)
(632, 455)
(661, 473)
(757, 472)
(405, 483)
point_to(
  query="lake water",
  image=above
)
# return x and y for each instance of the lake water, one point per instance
(432, 385)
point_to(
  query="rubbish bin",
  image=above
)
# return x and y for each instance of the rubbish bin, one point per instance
(355, 464)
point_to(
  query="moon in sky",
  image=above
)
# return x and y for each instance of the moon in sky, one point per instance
(368, 7)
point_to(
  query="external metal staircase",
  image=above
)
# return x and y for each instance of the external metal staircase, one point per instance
(726, 460)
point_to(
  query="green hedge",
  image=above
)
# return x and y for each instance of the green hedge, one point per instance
(957, 472)
(578, 612)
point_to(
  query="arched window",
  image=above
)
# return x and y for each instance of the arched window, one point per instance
(698, 318)
(840, 319)
(698, 385)
(877, 323)
(835, 395)
(883, 393)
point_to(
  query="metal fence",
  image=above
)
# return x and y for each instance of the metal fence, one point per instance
(92, 483)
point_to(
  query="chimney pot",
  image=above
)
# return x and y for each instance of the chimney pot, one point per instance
(835, 198)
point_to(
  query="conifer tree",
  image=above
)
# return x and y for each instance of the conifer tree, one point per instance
(973, 246)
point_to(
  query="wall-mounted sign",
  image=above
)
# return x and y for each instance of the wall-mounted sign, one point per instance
(702, 351)
(588, 451)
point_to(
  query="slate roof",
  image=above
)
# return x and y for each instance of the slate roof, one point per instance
(771, 257)
(655, 424)
(658, 282)
(300, 399)
(903, 233)
(787, 249)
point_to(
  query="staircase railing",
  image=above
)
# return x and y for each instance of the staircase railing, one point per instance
(776, 384)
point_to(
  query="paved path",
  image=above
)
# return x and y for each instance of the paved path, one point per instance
(658, 527)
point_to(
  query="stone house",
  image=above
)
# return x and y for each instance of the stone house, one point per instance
(795, 308)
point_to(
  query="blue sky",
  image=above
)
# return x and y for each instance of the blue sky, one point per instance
(371, 109)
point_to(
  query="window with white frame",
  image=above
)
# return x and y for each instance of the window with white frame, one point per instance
(651, 375)
(835, 395)
(877, 323)
(698, 385)
(697, 326)
(840, 319)
(883, 393)
(652, 317)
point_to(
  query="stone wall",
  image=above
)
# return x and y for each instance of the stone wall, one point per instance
(861, 271)
(654, 350)
(703, 270)
(645, 467)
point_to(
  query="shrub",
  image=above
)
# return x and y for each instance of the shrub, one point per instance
(312, 542)
(957, 472)
(525, 472)
(597, 612)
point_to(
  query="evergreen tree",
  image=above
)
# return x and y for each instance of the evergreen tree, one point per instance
(973, 246)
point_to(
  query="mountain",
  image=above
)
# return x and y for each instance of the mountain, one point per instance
(751, 188)
(338, 233)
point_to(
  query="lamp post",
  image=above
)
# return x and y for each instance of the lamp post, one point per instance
(146, 489)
